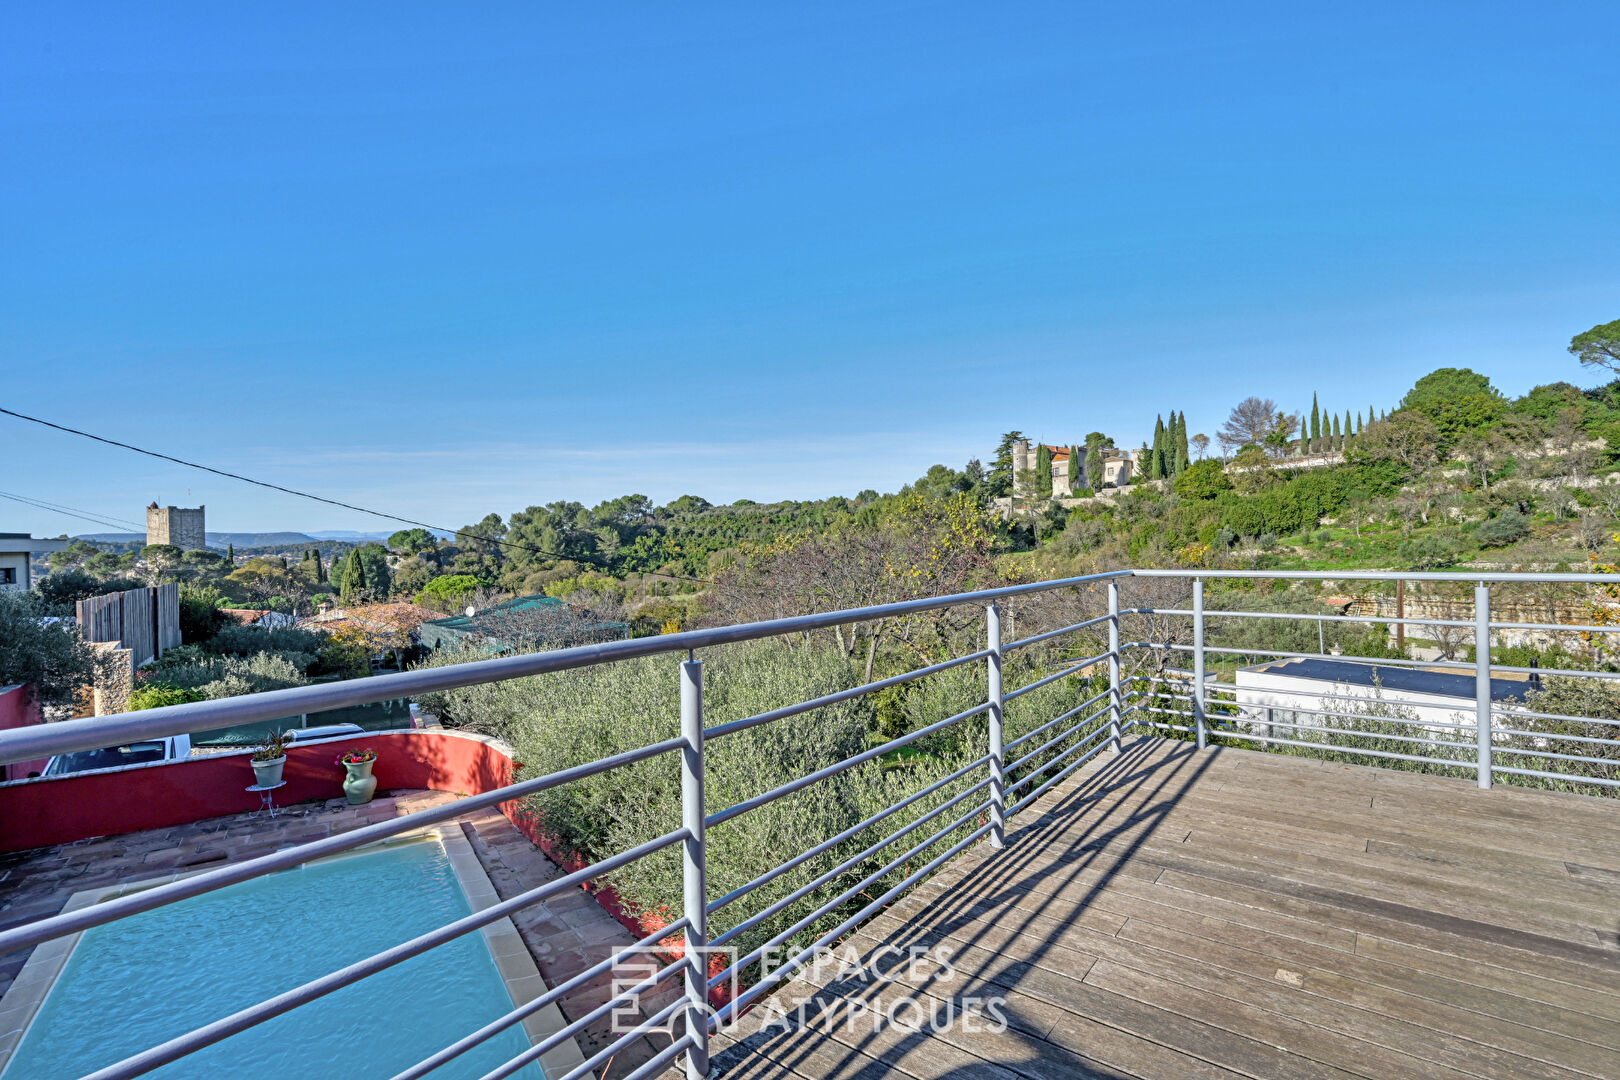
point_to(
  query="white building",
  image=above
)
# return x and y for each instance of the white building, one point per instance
(1287, 692)
(16, 562)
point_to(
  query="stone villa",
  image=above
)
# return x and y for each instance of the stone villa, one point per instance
(1116, 467)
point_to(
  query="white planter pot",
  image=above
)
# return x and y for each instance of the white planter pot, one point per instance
(268, 773)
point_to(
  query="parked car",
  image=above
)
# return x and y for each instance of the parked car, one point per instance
(173, 748)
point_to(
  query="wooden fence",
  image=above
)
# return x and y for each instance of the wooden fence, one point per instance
(144, 621)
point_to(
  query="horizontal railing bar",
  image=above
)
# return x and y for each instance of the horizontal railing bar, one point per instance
(242, 1019)
(1072, 669)
(1057, 758)
(1021, 642)
(1054, 740)
(1604, 781)
(1280, 655)
(826, 845)
(1520, 714)
(1250, 718)
(70, 922)
(1090, 701)
(566, 1033)
(66, 736)
(1168, 727)
(795, 962)
(1549, 735)
(1579, 628)
(1330, 730)
(663, 1059)
(804, 890)
(1067, 770)
(842, 695)
(1305, 616)
(864, 756)
(1493, 577)
(529, 1008)
(588, 1066)
(1613, 763)
(1467, 763)
(854, 890)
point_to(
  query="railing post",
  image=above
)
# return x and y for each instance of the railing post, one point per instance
(694, 868)
(1198, 662)
(1116, 703)
(998, 775)
(1482, 680)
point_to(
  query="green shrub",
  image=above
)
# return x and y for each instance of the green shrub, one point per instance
(240, 640)
(559, 721)
(1430, 552)
(155, 695)
(1505, 528)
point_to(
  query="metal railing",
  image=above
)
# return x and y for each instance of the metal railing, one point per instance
(1149, 699)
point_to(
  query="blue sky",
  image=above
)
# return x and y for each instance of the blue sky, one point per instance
(452, 260)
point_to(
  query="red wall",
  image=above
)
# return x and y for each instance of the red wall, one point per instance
(19, 709)
(61, 809)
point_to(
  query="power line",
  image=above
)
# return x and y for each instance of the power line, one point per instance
(330, 502)
(104, 518)
(55, 509)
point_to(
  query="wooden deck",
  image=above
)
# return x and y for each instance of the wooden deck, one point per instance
(1175, 914)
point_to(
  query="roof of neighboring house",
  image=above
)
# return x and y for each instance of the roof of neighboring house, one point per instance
(1438, 681)
(458, 629)
(245, 616)
(397, 615)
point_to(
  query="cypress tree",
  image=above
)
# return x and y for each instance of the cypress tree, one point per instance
(1043, 472)
(1316, 425)
(230, 553)
(1183, 454)
(1156, 460)
(1333, 435)
(1346, 440)
(1074, 469)
(320, 567)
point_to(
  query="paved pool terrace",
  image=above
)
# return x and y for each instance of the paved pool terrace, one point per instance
(564, 935)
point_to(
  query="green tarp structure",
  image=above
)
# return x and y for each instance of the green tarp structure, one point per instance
(485, 628)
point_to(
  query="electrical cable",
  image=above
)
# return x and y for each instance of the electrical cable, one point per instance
(55, 509)
(331, 502)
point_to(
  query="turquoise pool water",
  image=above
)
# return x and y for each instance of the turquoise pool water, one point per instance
(142, 980)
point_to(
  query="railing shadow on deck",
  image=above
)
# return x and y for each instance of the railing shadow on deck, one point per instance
(1147, 789)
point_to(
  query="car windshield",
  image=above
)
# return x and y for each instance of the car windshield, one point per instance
(108, 757)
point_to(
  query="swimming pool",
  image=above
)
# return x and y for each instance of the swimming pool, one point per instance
(137, 982)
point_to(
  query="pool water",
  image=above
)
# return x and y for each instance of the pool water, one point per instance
(140, 981)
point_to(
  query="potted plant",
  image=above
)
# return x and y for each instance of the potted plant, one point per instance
(269, 759)
(359, 786)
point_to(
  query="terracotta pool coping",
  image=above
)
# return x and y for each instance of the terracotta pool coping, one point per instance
(518, 971)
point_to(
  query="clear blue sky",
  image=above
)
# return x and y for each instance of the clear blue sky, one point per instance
(451, 260)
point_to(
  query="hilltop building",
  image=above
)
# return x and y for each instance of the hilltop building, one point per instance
(1116, 467)
(176, 525)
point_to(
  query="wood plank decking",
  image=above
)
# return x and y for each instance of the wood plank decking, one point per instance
(1171, 913)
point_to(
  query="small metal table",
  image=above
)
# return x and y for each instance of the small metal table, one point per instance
(267, 795)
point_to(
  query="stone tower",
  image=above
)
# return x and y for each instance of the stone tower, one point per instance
(176, 525)
(1023, 457)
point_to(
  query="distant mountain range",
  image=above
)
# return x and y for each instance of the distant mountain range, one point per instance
(256, 539)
